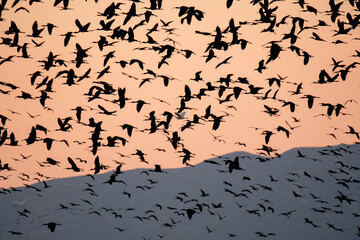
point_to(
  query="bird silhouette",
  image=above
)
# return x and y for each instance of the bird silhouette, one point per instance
(73, 165)
(81, 27)
(51, 225)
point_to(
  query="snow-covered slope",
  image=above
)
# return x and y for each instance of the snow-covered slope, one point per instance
(305, 183)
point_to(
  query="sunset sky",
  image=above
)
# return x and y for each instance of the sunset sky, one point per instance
(245, 120)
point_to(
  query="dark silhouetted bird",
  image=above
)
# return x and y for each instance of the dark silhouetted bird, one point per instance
(51, 225)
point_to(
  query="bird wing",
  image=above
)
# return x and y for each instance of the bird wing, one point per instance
(72, 163)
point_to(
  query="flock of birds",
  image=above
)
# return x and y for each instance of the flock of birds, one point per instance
(308, 193)
(62, 61)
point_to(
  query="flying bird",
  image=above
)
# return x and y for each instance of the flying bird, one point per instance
(51, 225)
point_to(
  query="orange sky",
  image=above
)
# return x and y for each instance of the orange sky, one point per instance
(239, 125)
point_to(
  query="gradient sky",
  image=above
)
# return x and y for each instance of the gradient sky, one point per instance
(245, 122)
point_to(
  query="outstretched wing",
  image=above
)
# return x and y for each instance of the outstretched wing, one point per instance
(73, 165)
